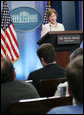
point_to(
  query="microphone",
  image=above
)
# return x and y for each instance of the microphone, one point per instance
(50, 27)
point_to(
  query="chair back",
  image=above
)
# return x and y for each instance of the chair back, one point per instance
(39, 106)
(48, 87)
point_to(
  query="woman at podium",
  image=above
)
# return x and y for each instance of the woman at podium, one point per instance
(53, 25)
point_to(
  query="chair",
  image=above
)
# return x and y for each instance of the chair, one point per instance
(48, 87)
(38, 105)
(29, 81)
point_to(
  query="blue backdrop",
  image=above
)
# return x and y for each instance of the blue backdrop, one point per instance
(28, 44)
(27, 41)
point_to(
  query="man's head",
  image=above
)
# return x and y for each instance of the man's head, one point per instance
(77, 52)
(46, 52)
(7, 70)
(74, 74)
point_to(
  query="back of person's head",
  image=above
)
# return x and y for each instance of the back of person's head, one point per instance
(77, 52)
(74, 74)
(47, 52)
(7, 70)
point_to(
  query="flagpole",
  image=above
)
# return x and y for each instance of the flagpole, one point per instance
(9, 49)
(49, 3)
(5, 25)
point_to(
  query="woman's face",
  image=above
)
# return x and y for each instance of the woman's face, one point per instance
(53, 18)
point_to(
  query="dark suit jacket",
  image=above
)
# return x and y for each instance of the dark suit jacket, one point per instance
(50, 71)
(14, 91)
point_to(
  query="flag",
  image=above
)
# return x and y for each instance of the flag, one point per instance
(45, 20)
(9, 45)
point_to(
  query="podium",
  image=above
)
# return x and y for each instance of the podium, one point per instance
(65, 42)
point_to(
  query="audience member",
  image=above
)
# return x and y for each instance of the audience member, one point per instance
(50, 70)
(77, 52)
(74, 75)
(11, 89)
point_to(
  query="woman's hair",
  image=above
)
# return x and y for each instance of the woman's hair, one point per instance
(50, 11)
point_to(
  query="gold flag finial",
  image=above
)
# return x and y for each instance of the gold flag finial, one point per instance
(49, 3)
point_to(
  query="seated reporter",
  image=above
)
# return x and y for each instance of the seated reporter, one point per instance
(50, 69)
(11, 89)
(77, 52)
(74, 75)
